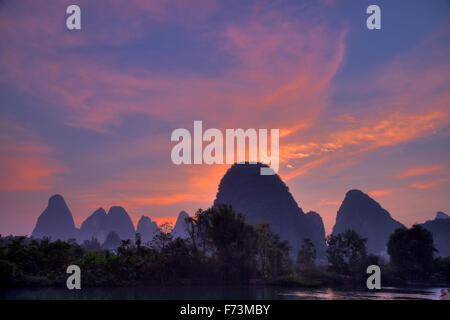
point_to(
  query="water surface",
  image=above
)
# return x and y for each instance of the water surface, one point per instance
(217, 293)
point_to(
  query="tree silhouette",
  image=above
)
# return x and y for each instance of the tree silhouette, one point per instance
(346, 253)
(411, 252)
(163, 237)
(307, 254)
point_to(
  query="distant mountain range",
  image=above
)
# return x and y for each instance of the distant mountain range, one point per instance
(99, 225)
(361, 213)
(262, 199)
(56, 222)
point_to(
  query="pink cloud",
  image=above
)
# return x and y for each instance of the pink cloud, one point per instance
(419, 171)
(275, 66)
(430, 184)
(380, 193)
(329, 203)
(26, 164)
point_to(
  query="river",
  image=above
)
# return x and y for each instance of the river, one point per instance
(217, 293)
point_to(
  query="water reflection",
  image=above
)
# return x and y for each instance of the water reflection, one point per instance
(384, 294)
(217, 293)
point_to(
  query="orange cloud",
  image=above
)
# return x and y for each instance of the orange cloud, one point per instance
(419, 171)
(429, 185)
(157, 191)
(164, 200)
(380, 193)
(343, 144)
(407, 106)
(20, 174)
(329, 203)
(392, 130)
(275, 66)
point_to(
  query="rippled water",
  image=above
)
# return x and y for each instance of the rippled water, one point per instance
(218, 292)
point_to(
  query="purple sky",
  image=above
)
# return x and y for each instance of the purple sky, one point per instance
(89, 114)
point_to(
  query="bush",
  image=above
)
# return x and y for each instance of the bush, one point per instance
(8, 273)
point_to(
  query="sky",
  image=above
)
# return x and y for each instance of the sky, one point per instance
(88, 113)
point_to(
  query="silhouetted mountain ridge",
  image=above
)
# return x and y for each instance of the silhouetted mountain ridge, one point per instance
(266, 198)
(180, 230)
(100, 224)
(120, 222)
(440, 227)
(56, 221)
(263, 199)
(361, 213)
(442, 215)
(147, 229)
(94, 226)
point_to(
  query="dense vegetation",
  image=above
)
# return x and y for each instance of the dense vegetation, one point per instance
(221, 248)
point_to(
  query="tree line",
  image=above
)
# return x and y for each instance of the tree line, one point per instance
(220, 248)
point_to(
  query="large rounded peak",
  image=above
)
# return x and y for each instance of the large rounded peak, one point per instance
(243, 183)
(356, 193)
(248, 167)
(57, 202)
(266, 198)
(248, 172)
